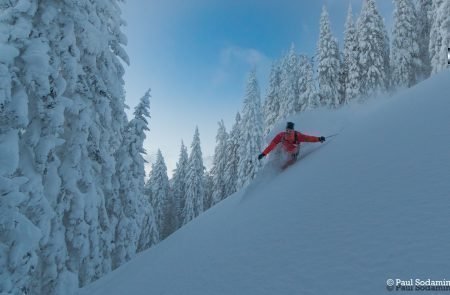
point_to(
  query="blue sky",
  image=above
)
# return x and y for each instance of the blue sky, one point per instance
(195, 56)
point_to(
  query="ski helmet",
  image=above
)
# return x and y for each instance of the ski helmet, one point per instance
(290, 125)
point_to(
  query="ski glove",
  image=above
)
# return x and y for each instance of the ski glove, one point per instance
(261, 156)
(321, 139)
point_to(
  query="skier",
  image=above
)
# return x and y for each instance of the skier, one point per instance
(291, 140)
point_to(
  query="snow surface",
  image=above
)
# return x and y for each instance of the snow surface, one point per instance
(368, 205)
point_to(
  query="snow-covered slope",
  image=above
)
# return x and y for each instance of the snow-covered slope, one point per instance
(369, 205)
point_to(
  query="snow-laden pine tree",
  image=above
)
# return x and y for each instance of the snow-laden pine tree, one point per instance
(373, 53)
(342, 78)
(95, 120)
(251, 130)
(158, 185)
(328, 64)
(350, 63)
(103, 72)
(194, 186)
(170, 212)
(60, 68)
(219, 165)
(33, 250)
(208, 184)
(303, 62)
(272, 103)
(178, 185)
(289, 84)
(129, 209)
(149, 234)
(439, 35)
(308, 94)
(405, 61)
(423, 28)
(92, 90)
(232, 156)
(20, 208)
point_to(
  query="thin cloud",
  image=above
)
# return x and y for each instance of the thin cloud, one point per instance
(232, 57)
(250, 56)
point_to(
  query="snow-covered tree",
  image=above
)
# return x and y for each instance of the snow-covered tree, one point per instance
(273, 99)
(208, 184)
(251, 131)
(89, 44)
(134, 137)
(194, 186)
(32, 246)
(350, 63)
(170, 217)
(289, 84)
(178, 184)
(439, 35)
(62, 116)
(149, 235)
(232, 156)
(308, 94)
(95, 121)
(158, 184)
(128, 211)
(103, 75)
(219, 164)
(405, 61)
(328, 64)
(423, 27)
(373, 54)
(20, 208)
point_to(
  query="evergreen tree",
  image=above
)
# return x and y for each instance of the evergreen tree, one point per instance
(308, 93)
(303, 62)
(31, 126)
(232, 157)
(350, 63)
(20, 236)
(342, 79)
(158, 185)
(423, 27)
(62, 118)
(373, 55)
(128, 213)
(195, 191)
(273, 99)
(250, 133)
(208, 183)
(289, 84)
(149, 234)
(178, 185)
(219, 164)
(95, 123)
(328, 64)
(32, 118)
(439, 35)
(66, 47)
(405, 62)
(170, 217)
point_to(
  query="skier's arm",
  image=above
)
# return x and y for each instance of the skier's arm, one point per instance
(307, 138)
(276, 140)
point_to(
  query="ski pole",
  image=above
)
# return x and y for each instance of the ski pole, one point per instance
(331, 135)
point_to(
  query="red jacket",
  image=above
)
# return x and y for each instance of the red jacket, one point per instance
(290, 145)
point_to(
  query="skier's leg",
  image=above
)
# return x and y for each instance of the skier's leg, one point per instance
(293, 158)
